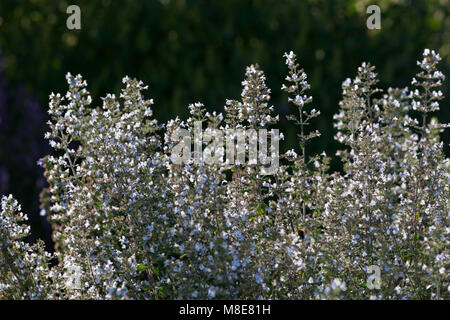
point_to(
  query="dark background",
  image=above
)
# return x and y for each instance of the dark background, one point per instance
(188, 51)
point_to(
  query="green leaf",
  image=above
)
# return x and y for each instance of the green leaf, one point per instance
(141, 267)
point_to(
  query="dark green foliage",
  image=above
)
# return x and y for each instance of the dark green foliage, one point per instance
(187, 50)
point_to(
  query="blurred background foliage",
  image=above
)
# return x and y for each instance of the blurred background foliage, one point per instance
(188, 51)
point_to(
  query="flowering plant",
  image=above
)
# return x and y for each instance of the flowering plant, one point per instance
(129, 223)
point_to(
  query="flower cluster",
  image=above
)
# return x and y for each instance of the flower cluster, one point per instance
(129, 223)
(24, 268)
